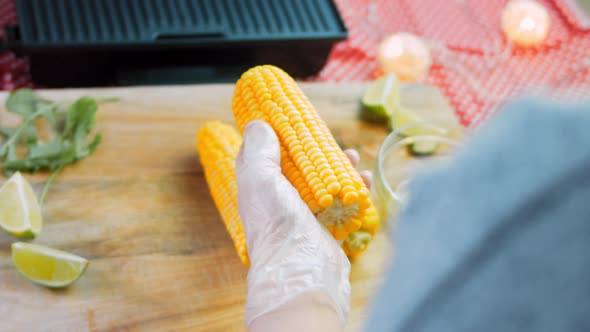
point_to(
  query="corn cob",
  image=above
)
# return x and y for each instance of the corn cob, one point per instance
(218, 145)
(310, 157)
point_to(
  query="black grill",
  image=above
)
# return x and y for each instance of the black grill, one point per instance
(133, 40)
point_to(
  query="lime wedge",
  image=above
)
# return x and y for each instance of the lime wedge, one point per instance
(47, 266)
(381, 99)
(20, 214)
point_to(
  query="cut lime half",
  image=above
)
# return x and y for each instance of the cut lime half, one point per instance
(381, 99)
(47, 266)
(20, 214)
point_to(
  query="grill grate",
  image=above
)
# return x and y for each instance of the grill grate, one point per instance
(106, 42)
(99, 22)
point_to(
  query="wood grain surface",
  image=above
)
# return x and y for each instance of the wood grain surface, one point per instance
(140, 211)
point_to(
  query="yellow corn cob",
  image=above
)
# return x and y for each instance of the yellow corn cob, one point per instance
(218, 145)
(357, 242)
(310, 157)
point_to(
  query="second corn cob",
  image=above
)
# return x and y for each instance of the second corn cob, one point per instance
(218, 145)
(310, 157)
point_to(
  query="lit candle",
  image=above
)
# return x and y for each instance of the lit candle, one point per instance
(405, 55)
(525, 22)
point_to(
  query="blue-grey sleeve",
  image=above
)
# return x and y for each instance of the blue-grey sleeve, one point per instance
(498, 240)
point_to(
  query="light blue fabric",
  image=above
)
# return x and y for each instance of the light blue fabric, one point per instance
(500, 239)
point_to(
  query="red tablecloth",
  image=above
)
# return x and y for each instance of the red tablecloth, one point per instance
(14, 72)
(470, 29)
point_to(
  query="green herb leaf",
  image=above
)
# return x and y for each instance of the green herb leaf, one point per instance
(71, 126)
(24, 128)
(52, 155)
(50, 149)
(90, 148)
(27, 135)
(79, 122)
(24, 102)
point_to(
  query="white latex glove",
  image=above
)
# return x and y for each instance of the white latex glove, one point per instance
(293, 259)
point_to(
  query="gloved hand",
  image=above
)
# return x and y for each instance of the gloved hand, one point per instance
(293, 259)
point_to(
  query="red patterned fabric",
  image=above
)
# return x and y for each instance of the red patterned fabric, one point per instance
(14, 72)
(470, 30)
(573, 13)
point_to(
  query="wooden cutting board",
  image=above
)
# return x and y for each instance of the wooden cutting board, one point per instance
(139, 209)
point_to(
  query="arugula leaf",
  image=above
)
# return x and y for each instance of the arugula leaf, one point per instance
(24, 102)
(24, 128)
(79, 122)
(71, 125)
(46, 150)
(51, 155)
(90, 148)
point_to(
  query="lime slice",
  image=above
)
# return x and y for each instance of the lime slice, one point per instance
(47, 266)
(411, 124)
(381, 99)
(20, 214)
(423, 103)
(423, 148)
